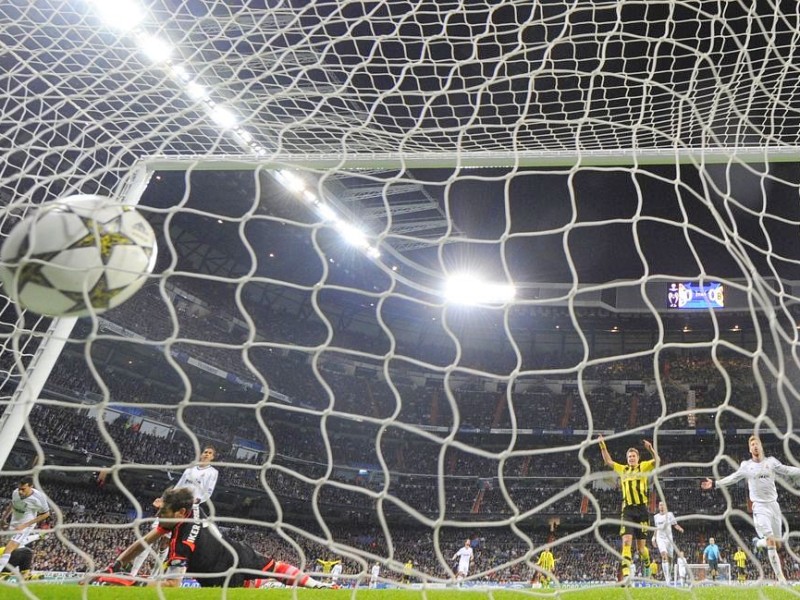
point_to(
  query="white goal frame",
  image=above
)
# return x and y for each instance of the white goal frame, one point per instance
(13, 419)
(725, 573)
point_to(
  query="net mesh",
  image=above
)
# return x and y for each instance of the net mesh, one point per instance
(305, 166)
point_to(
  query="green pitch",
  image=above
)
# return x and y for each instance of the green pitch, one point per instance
(65, 592)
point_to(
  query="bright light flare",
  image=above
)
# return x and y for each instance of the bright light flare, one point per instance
(471, 290)
(327, 213)
(290, 181)
(124, 15)
(353, 235)
(156, 49)
(224, 118)
(196, 91)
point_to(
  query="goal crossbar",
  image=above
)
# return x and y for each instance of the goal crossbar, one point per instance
(588, 158)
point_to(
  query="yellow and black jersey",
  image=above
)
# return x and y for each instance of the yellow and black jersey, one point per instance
(634, 482)
(740, 558)
(546, 561)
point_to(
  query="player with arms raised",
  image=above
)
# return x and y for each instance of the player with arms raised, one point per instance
(634, 484)
(664, 522)
(760, 473)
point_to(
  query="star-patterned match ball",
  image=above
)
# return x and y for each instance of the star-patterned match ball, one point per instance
(77, 256)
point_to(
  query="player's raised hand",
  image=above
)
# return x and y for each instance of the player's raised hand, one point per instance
(706, 484)
(648, 446)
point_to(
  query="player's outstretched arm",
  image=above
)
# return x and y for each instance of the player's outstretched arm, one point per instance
(604, 452)
(649, 447)
(132, 551)
(785, 470)
(708, 484)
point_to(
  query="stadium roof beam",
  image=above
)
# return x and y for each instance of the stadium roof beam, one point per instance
(411, 227)
(379, 191)
(396, 209)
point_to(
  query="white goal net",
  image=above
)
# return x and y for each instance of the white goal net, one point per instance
(413, 259)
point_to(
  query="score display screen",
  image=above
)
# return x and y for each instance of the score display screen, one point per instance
(689, 295)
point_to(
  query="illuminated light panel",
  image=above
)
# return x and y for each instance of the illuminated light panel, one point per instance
(124, 15)
(471, 290)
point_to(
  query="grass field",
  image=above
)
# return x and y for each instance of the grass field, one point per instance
(70, 592)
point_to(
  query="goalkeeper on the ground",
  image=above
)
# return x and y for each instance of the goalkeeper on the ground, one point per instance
(199, 550)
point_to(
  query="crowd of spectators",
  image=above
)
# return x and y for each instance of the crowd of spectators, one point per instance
(332, 434)
(92, 524)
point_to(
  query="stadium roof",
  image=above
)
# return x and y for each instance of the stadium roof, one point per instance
(84, 99)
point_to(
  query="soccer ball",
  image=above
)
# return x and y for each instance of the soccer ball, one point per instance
(77, 256)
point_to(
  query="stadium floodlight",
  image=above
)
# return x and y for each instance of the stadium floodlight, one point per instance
(327, 213)
(290, 181)
(224, 117)
(196, 91)
(124, 15)
(180, 73)
(156, 49)
(352, 235)
(468, 289)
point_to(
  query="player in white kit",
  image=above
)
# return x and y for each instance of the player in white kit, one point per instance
(681, 569)
(375, 573)
(664, 522)
(760, 473)
(464, 556)
(336, 573)
(201, 479)
(28, 508)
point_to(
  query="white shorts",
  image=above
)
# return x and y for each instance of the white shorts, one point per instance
(665, 546)
(20, 537)
(768, 520)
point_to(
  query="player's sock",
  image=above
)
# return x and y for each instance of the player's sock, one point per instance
(665, 566)
(291, 574)
(775, 561)
(4, 560)
(626, 561)
(138, 562)
(644, 554)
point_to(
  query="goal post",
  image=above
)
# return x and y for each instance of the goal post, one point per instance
(699, 573)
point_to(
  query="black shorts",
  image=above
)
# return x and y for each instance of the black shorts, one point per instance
(742, 570)
(713, 565)
(639, 516)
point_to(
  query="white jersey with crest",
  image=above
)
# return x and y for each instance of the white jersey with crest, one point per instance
(464, 555)
(27, 509)
(201, 480)
(760, 477)
(664, 524)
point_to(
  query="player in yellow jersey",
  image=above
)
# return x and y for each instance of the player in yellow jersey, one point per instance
(634, 484)
(547, 567)
(327, 565)
(740, 558)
